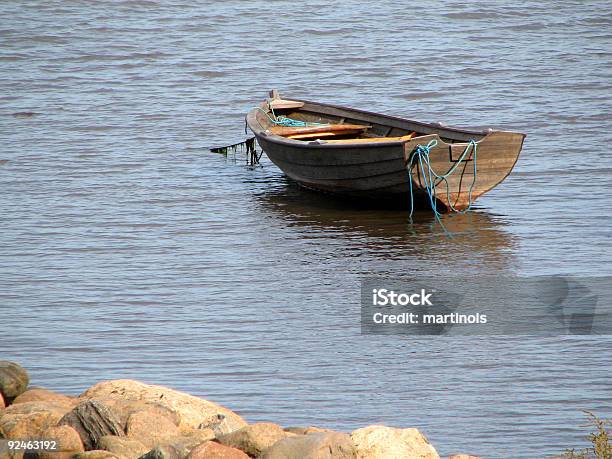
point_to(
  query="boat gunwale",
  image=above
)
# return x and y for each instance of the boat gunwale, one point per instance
(314, 144)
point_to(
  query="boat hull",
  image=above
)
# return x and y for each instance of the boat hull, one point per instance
(379, 173)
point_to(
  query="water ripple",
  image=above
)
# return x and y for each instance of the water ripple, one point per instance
(129, 250)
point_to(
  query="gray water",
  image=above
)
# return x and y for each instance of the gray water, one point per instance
(127, 249)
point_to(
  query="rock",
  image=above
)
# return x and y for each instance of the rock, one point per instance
(13, 380)
(381, 442)
(463, 456)
(150, 428)
(96, 454)
(68, 444)
(43, 395)
(254, 439)
(127, 448)
(26, 427)
(185, 443)
(214, 450)
(304, 430)
(12, 455)
(31, 419)
(201, 435)
(123, 409)
(2, 403)
(323, 445)
(194, 411)
(48, 455)
(162, 452)
(66, 437)
(92, 420)
(219, 425)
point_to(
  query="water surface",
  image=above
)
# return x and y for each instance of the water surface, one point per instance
(129, 250)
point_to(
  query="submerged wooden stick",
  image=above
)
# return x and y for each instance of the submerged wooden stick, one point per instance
(249, 144)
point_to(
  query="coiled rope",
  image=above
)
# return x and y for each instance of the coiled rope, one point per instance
(281, 120)
(420, 159)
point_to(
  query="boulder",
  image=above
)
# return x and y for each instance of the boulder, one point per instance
(14, 380)
(96, 454)
(2, 402)
(123, 409)
(92, 420)
(162, 452)
(12, 455)
(200, 435)
(323, 445)
(186, 442)
(304, 430)
(127, 448)
(66, 437)
(194, 412)
(214, 450)
(26, 427)
(30, 420)
(219, 424)
(43, 395)
(48, 455)
(151, 428)
(255, 438)
(381, 442)
(68, 444)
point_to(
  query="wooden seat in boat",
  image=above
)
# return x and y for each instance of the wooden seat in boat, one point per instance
(374, 139)
(320, 135)
(283, 104)
(311, 132)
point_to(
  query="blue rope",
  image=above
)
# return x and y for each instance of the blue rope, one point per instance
(288, 122)
(420, 158)
(284, 121)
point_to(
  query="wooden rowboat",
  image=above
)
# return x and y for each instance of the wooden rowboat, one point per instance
(371, 156)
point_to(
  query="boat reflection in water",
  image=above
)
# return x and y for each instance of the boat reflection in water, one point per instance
(475, 241)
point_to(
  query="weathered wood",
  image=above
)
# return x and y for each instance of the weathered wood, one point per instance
(493, 166)
(318, 135)
(282, 104)
(93, 420)
(374, 139)
(286, 131)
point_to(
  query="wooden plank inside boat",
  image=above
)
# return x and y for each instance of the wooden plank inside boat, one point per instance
(318, 135)
(286, 131)
(282, 104)
(374, 139)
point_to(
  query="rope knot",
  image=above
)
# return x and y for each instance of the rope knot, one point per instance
(425, 149)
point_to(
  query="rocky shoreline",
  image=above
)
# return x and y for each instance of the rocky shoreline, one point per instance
(127, 419)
